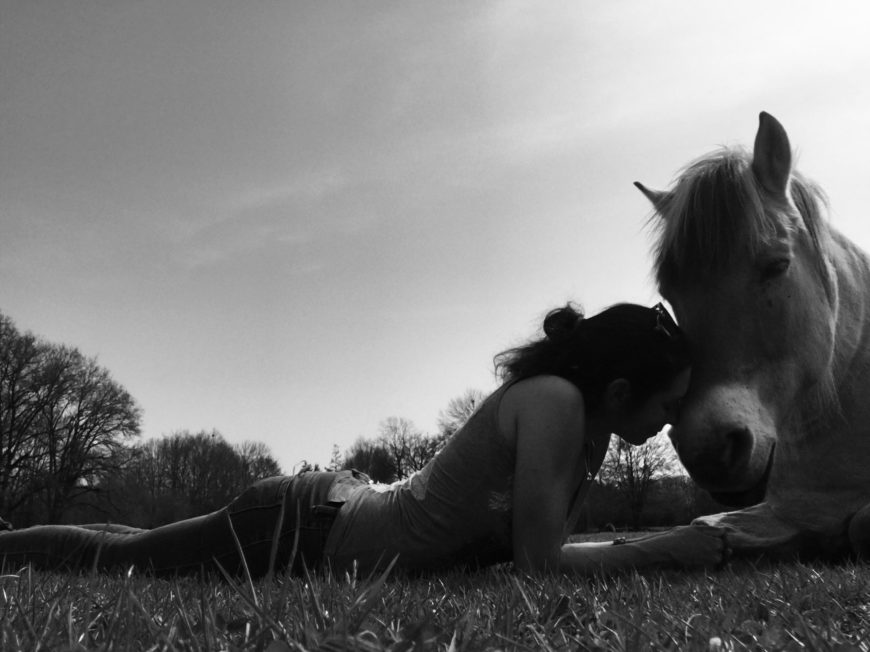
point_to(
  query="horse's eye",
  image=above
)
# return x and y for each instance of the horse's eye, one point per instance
(775, 268)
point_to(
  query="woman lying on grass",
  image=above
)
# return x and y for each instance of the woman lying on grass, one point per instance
(508, 486)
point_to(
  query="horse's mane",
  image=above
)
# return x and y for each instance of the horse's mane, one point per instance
(717, 208)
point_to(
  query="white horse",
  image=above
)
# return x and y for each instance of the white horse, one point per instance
(776, 307)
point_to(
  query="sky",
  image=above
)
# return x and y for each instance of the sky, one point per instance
(288, 221)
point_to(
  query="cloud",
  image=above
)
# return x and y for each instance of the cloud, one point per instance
(306, 209)
(308, 186)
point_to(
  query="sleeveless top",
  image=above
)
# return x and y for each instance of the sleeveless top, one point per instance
(456, 511)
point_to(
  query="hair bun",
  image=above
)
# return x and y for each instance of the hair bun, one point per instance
(562, 322)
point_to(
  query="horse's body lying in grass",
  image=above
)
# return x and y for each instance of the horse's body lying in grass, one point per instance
(776, 306)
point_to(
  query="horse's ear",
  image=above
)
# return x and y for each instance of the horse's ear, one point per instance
(658, 198)
(771, 158)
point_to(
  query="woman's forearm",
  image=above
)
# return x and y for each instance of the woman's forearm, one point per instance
(690, 545)
(588, 558)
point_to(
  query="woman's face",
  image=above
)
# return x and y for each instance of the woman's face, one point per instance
(658, 410)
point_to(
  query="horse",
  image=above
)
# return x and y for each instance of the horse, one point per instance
(775, 305)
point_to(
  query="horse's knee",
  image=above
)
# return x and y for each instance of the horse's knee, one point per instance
(859, 532)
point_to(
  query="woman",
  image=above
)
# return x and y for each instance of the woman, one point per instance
(508, 486)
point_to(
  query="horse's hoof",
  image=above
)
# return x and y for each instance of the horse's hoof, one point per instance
(859, 532)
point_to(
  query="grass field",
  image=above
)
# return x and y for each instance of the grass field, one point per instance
(745, 606)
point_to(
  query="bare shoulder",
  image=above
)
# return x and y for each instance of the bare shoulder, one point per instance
(553, 390)
(543, 400)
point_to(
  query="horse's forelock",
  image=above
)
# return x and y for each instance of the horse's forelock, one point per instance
(715, 211)
(810, 200)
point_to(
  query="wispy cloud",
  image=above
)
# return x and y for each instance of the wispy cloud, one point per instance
(304, 187)
(298, 212)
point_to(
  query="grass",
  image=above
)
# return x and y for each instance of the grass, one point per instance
(786, 606)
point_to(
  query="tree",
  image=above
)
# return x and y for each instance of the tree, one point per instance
(20, 406)
(257, 461)
(372, 458)
(631, 470)
(63, 421)
(459, 409)
(182, 475)
(335, 460)
(409, 449)
(85, 420)
(400, 449)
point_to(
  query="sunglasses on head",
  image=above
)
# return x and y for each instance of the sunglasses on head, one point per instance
(664, 322)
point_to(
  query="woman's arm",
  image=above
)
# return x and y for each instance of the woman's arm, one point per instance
(688, 545)
(545, 418)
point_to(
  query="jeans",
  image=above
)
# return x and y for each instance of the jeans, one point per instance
(302, 506)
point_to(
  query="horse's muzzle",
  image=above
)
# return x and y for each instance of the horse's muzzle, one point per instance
(748, 497)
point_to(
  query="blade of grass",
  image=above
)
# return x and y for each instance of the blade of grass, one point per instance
(46, 627)
(149, 622)
(533, 611)
(119, 603)
(295, 549)
(101, 540)
(319, 617)
(245, 568)
(252, 603)
(207, 613)
(365, 602)
(276, 540)
(182, 613)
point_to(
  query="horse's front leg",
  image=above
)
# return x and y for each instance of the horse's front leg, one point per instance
(758, 530)
(859, 532)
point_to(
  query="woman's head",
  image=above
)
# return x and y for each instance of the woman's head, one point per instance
(638, 345)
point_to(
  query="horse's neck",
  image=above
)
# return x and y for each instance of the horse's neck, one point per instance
(822, 477)
(851, 267)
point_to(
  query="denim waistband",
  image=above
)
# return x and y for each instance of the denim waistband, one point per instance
(313, 500)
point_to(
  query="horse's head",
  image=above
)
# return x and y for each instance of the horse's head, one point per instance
(740, 257)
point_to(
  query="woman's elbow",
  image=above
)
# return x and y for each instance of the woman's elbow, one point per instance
(538, 560)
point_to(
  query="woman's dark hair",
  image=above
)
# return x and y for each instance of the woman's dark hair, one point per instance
(642, 345)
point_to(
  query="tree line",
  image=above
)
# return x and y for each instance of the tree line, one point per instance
(175, 477)
(69, 448)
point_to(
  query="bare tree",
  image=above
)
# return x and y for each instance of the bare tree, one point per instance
(400, 449)
(459, 409)
(214, 477)
(63, 422)
(372, 458)
(335, 460)
(182, 475)
(20, 358)
(207, 471)
(409, 449)
(631, 470)
(85, 421)
(397, 435)
(257, 461)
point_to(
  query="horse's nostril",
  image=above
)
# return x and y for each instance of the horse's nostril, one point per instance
(738, 446)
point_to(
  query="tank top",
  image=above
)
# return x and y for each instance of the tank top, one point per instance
(456, 511)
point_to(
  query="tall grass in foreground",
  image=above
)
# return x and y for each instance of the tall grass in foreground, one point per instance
(773, 607)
